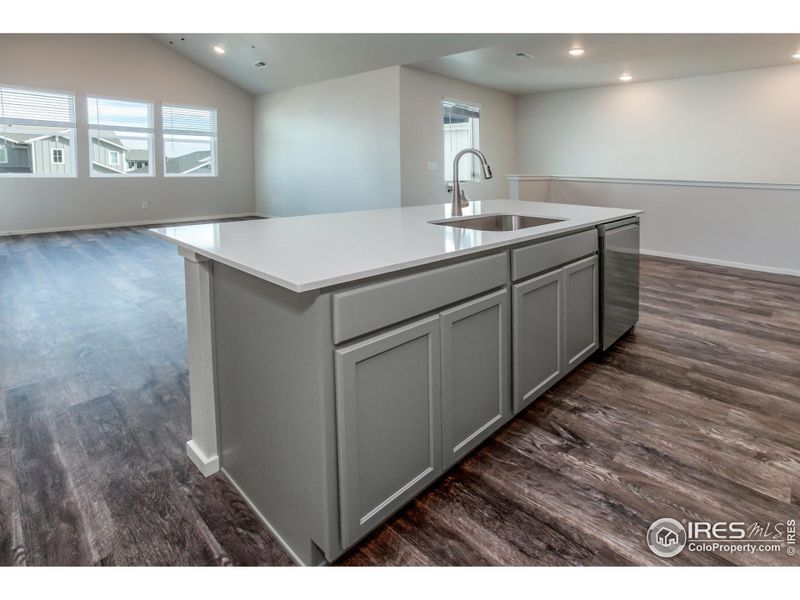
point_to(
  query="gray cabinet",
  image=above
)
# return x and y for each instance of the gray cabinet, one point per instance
(388, 404)
(537, 323)
(581, 329)
(555, 327)
(475, 373)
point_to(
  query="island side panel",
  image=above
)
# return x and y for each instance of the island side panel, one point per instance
(203, 447)
(276, 408)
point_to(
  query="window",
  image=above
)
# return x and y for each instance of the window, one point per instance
(120, 137)
(460, 131)
(190, 141)
(33, 125)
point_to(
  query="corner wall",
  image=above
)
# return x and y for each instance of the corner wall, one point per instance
(365, 141)
(422, 141)
(135, 67)
(731, 127)
(330, 146)
(737, 226)
(713, 160)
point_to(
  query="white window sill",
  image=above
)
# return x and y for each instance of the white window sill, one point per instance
(37, 176)
(190, 175)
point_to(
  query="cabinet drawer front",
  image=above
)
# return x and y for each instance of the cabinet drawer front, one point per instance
(537, 309)
(371, 307)
(388, 405)
(538, 258)
(475, 373)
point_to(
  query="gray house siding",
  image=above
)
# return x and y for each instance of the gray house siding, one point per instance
(101, 156)
(19, 158)
(35, 156)
(42, 157)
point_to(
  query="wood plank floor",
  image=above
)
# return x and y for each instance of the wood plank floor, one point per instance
(693, 416)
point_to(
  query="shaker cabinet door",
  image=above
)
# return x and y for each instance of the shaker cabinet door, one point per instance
(475, 373)
(537, 317)
(388, 403)
(581, 330)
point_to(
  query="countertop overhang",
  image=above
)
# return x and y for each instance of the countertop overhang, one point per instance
(311, 252)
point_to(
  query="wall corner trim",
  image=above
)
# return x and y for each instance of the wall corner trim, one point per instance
(673, 182)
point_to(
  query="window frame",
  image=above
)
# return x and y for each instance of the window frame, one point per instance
(53, 160)
(73, 154)
(151, 154)
(214, 141)
(475, 173)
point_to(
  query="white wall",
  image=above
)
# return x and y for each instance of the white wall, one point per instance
(422, 140)
(756, 228)
(127, 66)
(329, 146)
(664, 147)
(365, 141)
(741, 127)
(746, 227)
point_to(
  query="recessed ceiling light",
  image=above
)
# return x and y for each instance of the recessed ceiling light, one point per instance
(219, 49)
(796, 55)
(625, 77)
(576, 51)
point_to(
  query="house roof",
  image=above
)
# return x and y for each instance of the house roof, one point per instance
(21, 138)
(109, 168)
(189, 163)
(138, 155)
(25, 138)
(110, 139)
(13, 138)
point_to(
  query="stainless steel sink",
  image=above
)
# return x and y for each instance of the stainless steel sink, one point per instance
(496, 222)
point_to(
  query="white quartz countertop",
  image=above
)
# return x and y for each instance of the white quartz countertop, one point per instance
(315, 251)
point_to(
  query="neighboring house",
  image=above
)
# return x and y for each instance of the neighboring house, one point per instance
(195, 162)
(109, 155)
(137, 160)
(15, 155)
(51, 155)
(46, 154)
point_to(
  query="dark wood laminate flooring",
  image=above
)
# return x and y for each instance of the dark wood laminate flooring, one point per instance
(694, 416)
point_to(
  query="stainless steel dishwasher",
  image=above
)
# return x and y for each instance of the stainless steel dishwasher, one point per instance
(619, 273)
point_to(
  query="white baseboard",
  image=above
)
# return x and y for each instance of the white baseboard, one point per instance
(208, 465)
(126, 224)
(722, 263)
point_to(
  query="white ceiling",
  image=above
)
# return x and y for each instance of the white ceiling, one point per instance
(484, 59)
(645, 56)
(302, 58)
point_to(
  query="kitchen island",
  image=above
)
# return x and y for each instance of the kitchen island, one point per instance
(341, 363)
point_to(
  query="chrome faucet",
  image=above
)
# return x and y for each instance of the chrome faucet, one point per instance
(459, 198)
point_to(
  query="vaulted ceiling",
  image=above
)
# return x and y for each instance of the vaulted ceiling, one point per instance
(299, 59)
(484, 59)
